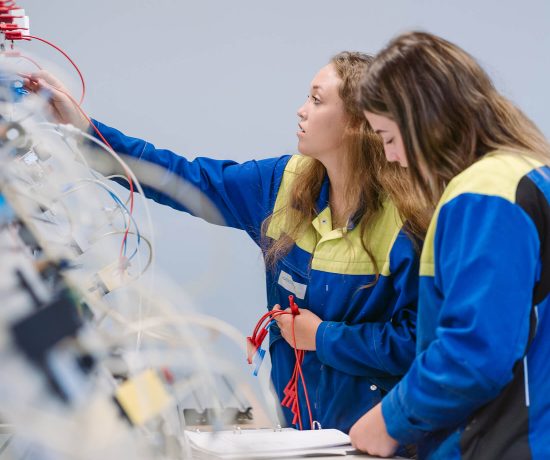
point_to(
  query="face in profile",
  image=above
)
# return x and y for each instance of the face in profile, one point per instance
(322, 117)
(388, 130)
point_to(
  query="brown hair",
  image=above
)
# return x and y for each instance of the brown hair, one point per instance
(447, 109)
(364, 164)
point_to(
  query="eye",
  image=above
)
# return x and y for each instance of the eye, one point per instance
(314, 99)
(389, 141)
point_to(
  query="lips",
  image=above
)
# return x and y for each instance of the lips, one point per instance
(302, 130)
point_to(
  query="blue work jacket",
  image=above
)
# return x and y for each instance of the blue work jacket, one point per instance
(366, 341)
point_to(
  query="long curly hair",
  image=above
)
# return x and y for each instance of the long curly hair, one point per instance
(448, 111)
(370, 178)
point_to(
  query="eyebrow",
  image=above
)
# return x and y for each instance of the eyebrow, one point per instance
(380, 131)
(316, 87)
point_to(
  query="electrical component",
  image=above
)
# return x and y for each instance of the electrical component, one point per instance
(43, 329)
(66, 350)
(44, 337)
(143, 397)
(113, 275)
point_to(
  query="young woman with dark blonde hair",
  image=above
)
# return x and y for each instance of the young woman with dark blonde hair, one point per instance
(330, 236)
(479, 386)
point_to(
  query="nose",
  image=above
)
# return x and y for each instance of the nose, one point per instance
(390, 155)
(302, 114)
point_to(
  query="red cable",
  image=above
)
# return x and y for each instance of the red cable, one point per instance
(108, 145)
(254, 342)
(291, 398)
(131, 184)
(259, 323)
(299, 357)
(299, 367)
(70, 60)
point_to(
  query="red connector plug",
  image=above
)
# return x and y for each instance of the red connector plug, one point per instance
(9, 27)
(254, 343)
(14, 35)
(8, 18)
(293, 307)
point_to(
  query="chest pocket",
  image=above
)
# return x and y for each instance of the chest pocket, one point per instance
(289, 280)
(293, 277)
(292, 285)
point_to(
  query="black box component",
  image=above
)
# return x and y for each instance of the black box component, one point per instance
(42, 330)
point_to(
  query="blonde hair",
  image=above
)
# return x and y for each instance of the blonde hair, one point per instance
(447, 109)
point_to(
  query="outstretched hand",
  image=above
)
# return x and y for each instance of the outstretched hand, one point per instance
(63, 107)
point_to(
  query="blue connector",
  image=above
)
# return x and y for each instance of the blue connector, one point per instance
(258, 360)
(7, 215)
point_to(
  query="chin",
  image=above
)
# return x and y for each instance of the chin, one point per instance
(303, 151)
(307, 152)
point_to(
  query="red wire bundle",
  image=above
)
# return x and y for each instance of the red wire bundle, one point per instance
(254, 343)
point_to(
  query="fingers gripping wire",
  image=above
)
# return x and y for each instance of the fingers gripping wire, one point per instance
(14, 35)
(18, 35)
(82, 82)
(255, 354)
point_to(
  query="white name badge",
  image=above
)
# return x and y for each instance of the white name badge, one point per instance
(286, 281)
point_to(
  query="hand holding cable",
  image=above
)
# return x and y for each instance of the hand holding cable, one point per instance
(305, 328)
(18, 33)
(256, 353)
(63, 107)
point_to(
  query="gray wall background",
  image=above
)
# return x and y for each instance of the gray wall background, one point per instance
(224, 79)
